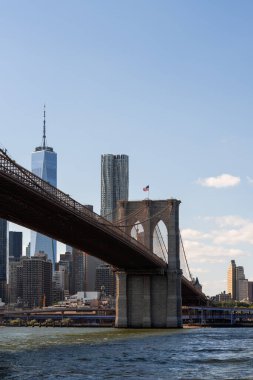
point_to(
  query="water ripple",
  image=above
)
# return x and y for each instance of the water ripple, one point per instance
(75, 354)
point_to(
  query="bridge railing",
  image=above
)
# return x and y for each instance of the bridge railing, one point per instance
(16, 171)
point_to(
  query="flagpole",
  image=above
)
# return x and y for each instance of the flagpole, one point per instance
(146, 189)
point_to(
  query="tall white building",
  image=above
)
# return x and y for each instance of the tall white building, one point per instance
(44, 165)
(114, 182)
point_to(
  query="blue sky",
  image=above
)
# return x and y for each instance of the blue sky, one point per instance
(167, 82)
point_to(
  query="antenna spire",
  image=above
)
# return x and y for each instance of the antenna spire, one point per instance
(44, 141)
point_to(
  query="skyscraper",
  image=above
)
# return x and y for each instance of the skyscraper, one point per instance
(237, 284)
(78, 270)
(231, 280)
(15, 244)
(3, 257)
(114, 187)
(242, 289)
(36, 275)
(105, 279)
(114, 183)
(44, 165)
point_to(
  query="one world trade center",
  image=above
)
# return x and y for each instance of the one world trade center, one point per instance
(44, 165)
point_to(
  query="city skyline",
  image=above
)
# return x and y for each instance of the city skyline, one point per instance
(173, 92)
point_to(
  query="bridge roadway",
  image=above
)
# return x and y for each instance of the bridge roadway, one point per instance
(27, 200)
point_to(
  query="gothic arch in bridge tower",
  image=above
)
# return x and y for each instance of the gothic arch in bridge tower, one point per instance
(137, 232)
(149, 214)
(160, 240)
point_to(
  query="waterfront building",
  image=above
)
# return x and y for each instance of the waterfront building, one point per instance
(91, 264)
(105, 280)
(114, 183)
(36, 275)
(222, 297)
(237, 284)
(4, 258)
(250, 290)
(66, 263)
(58, 285)
(15, 244)
(44, 165)
(242, 293)
(13, 280)
(231, 280)
(78, 270)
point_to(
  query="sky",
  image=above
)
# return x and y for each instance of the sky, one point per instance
(169, 83)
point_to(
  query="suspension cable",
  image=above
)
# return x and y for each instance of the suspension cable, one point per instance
(134, 213)
(159, 241)
(182, 244)
(146, 220)
(161, 236)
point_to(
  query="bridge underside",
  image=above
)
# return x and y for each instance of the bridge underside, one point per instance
(30, 209)
(190, 295)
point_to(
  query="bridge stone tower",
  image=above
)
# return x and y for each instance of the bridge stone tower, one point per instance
(150, 298)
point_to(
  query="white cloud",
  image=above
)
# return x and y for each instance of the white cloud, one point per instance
(224, 180)
(250, 180)
(244, 234)
(189, 233)
(207, 253)
(219, 240)
(228, 221)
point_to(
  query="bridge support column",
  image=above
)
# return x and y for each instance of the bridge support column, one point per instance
(148, 299)
(174, 299)
(121, 300)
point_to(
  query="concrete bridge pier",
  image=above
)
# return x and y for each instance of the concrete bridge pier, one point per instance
(148, 299)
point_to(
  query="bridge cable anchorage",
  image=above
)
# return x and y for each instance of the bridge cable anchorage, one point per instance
(182, 244)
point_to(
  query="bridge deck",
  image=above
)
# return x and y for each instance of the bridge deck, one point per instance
(27, 200)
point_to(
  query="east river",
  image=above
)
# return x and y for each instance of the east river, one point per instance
(105, 353)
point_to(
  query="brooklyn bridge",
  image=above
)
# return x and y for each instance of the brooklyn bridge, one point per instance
(150, 287)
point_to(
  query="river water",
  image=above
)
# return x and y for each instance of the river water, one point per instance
(105, 353)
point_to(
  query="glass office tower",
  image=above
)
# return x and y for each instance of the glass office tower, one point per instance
(44, 165)
(114, 183)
